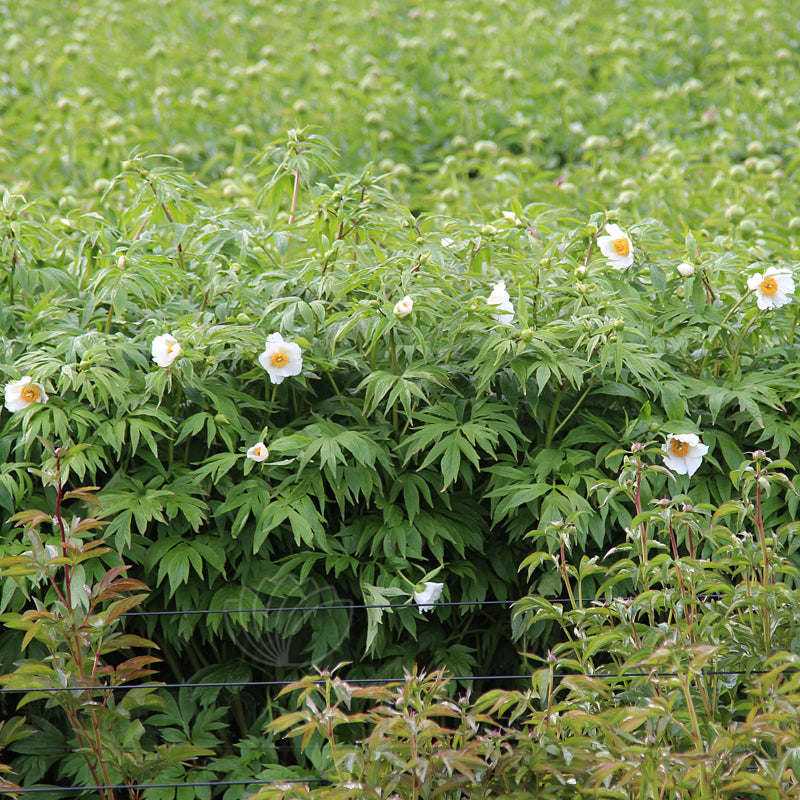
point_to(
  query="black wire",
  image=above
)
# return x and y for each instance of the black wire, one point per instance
(527, 677)
(124, 787)
(319, 608)
(353, 606)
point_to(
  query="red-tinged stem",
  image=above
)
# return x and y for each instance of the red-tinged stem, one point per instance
(637, 501)
(106, 794)
(591, 243)
(760, 525)
(67, 568)
(295, 192)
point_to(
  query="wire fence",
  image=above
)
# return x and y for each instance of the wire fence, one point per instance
(349, 607)
(368, 681)
(122, 787)
(244, 684)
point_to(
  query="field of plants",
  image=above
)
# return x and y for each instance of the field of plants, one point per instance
(400, 400)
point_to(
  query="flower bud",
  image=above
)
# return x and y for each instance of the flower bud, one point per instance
(734, 213)
(685, 270)
(738, 172)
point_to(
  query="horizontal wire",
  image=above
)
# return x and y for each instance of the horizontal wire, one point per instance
(318, 608)
(351, 606)
(527, 677)
(125, 786)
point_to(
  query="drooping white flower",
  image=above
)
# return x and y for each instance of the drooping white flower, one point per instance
(772, 287)
(165, 349)
(258, 452)
(20, 394)
(404, 307)
(281, 359)
(685, 270)
(616, 246)
(500, 298)
(425, 595)
(683, 453)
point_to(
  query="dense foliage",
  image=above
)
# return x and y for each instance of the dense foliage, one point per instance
(499, 246)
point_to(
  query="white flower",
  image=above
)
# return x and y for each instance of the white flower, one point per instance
(616, 247)
(683, 453)
(500, 298)
(511, 217)
(425, 595)
(404, 307)
(20, 394)
(685, 270)
(772, 287)
(258, 452)
(165, 349)
(281, 359)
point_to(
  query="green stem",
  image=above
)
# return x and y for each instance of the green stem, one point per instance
(176, 415)
(107, 328)
(696, 735)
(295, 193)
(565, 575)
(171, 658)
(237, 708)
(11, 277)
(739, 345)
(713, 342)
(551, 422)
(395, 371)
(760, 526)
(574, 408)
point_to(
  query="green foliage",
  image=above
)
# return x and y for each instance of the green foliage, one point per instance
(228, 174)
(686, 687)
(79, 629)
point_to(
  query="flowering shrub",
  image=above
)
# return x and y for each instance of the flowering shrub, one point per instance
(323, 319)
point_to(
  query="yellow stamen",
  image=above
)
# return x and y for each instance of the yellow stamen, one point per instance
(30, 394)
(679, 448)
(769, 286)
(279, 359)
(622, 247)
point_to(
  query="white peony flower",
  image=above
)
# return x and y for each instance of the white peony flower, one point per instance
(404, 307)
(281, 359)
(772, 287)
(616, 247)
(500, 298)
(20, 394)
(165, 349)
(683, 453)
(685, 270)
(425, 595)
(258, 452)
